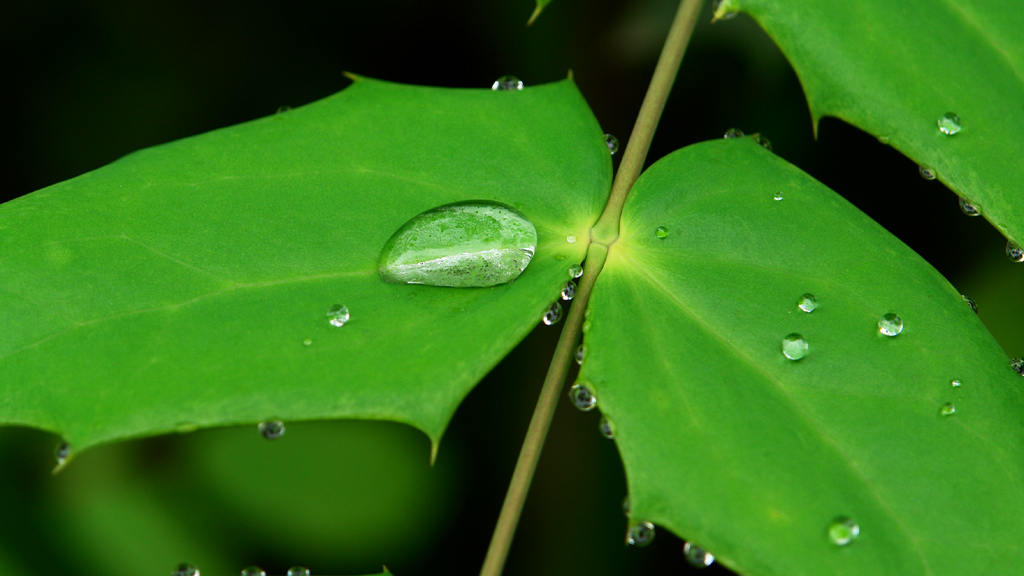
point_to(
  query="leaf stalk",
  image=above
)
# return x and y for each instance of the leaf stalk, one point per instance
(602, 235)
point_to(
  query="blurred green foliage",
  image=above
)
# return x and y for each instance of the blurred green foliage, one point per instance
(91, 81)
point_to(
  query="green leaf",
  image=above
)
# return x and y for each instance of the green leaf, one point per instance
(892, 69)
(729, 444)
(178, 287)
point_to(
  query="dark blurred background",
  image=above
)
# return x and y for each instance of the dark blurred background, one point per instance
(87, 82)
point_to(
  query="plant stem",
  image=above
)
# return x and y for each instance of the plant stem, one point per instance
(602, 235)
(606, 231)
(541, 421)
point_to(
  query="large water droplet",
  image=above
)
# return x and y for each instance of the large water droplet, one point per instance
(842, 531)
(948, 409)
(890, 324)
(298, 571)
(507, 83)
(1018, 365)
(697, 556)
(582, 396)
(553, 314)
(1014, 251)
(606, 427)
(949, 123)
(808, 303)
(794, 346)
(971, 303)
(733, 133)
(956, 383)
(185, 569)
(640, 534)
(571, 239)
(926, 172)
(575, 271)
(612, 143)
(271, 429)
(467, 244)
(253, 571)
(569, 290)
(337, 315)
(968, 208)
(661, 232)
(62, 453)
(778, 197)
(724, 10)
(581, 354)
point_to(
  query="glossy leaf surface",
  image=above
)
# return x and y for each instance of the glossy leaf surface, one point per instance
(893, 69)
(187, 285)
(751, 455)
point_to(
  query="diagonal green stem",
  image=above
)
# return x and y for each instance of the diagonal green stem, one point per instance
(602, 235)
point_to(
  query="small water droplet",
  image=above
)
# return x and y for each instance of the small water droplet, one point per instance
(185, 427)
(283, 109)
(947, 409)
(697, 556)
(466, 244)
(569, 290)
(586, 326)
(808, 303)
(507, 83)
(926, 172)
(842, 531)
(582, 396)
(956, 383)
(884, 140)
(890, 324)
(559, 257)
(1018, 365)
(794, 346)
(298, 571)
(307, 342)
(778, 196)
(271, 429)
(661, 232)
(764, 142)
(581, 354)
(571, 239)
(553, 314)
(337, 315)
(640, 534)
(253, 571)
(185, 569)
(606, 427)
(612, 143)
(733, 133)
(62, 453)
(968, 208)
(625, 505)
(1014, 251)
(724, 10)
(575, 271)
(971, 303)
(949, 123)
